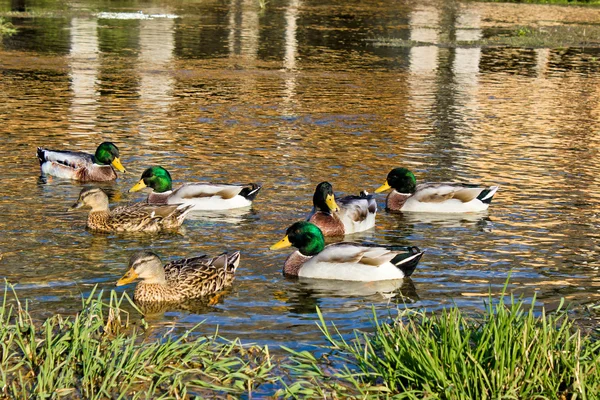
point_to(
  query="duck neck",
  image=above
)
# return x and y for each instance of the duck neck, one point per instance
(152, 292)
(294, 263)
(395, 200)
(159, 198)
(96, 217)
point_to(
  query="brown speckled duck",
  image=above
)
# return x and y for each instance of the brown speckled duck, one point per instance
(137, 217)
(342, 216)
(81, 166)
(179, 280)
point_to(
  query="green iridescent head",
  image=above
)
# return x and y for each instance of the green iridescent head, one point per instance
(156, 178)
(400, 179)
(305, 236)
(324, 199)
(108, 154)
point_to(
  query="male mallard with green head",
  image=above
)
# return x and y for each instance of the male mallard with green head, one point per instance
(81, 166)
(344, 260)
(179, 280)
(442, 197)
(137, 217)
(342, 216)
(203, 196)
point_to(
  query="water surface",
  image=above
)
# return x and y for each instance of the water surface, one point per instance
(289, 96)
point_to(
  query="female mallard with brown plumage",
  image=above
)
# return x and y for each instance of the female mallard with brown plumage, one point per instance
(342, 216)
(81, 166)
(442, 197)
(203, 196)
(344, 260)
(179, 280)
(137, 217)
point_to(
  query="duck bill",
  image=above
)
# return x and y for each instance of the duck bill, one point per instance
(138, 186)
(129, 277)
(330, 201)
(117, 164)
(283, 243)
(383, 187)
(75, 206)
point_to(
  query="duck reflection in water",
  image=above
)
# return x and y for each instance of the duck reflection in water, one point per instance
(308, 294)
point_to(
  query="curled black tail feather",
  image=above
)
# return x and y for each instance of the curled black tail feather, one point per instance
(40, 155)
(407, 262)
(487, 195)
(250, 191)
(482, 197)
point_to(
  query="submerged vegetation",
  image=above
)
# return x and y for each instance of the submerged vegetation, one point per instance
(559, 36)
(507, 352)
(570, 2)
(6, 28)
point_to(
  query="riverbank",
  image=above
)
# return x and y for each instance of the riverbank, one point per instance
(104, 352)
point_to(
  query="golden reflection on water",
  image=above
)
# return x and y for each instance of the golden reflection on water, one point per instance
(276, 98)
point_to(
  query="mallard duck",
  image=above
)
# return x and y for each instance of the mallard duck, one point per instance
(204, 196)
(442, 197)
(343, 261)
(137, 217)
(179, 280)
(342, 216)
(82, 166)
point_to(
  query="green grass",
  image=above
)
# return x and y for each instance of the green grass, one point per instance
(97, 355)
(507, 352)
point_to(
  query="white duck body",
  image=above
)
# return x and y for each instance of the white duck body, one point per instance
(81, 166)
(443, 197)
(354, 262)
(357, 213)
(434, 197)
(205, 196)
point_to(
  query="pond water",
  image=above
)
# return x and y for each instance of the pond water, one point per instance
(289, 96)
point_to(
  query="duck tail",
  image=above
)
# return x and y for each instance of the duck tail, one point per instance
(486, 195)
(227, 262)
(233, 261)
(407, 262)
(182, 211)
(250, 191)
(41, 155)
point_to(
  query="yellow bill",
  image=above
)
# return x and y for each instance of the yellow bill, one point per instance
(117, 164)
(383, 187)
(283, 243)
(138, 186)
(129, 277)
(330, 201)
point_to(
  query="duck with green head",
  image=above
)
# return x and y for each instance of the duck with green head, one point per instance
(82, 166)
(179, 280)
(137, 217)
(342, 216)
(345, 260)
(203, 196)
(434, 197)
